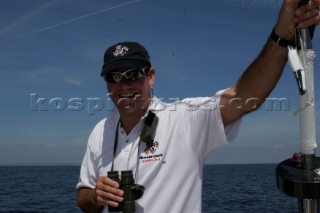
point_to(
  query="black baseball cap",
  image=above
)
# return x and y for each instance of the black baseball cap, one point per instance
(125, 55)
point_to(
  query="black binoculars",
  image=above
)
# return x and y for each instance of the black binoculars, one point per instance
(131, 191)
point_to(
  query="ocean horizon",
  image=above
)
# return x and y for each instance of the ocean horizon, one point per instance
(226, 188)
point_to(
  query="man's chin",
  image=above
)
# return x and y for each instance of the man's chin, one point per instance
(131, 109)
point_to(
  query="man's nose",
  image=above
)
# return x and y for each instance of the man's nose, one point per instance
(124, 83)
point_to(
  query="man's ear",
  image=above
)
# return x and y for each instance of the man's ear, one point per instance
(151, 76)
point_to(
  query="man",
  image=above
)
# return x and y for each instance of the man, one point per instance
(169, 162)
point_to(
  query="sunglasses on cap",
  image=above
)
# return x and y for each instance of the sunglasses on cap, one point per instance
(131, 75)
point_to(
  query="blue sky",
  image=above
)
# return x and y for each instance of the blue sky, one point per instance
(51, 54)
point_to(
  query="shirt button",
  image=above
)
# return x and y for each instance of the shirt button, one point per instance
(127, 141)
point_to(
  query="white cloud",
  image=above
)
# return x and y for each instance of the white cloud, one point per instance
(77, 18)
(257, 3)
(50, 145)
(24, 17)
(75, 82)
(42, 75)
(278, 146)
(37, 74)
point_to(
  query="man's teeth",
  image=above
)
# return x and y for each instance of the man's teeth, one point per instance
(127, 95)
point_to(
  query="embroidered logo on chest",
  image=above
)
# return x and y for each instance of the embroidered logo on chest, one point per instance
(149, 155)
(151, 147)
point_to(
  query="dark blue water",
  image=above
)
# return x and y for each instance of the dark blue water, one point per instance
(227, 188)
(244, 188)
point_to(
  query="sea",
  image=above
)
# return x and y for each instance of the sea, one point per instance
(226, 188)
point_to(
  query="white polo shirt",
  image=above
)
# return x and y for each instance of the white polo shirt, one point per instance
(172, 169)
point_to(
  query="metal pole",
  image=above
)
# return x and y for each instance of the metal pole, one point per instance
(300, 205)
(292, 174)
(307, 124)
(309, 206)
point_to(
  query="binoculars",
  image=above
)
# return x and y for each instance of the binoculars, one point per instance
(131, 191)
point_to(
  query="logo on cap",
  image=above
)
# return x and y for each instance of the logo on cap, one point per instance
(120, 50)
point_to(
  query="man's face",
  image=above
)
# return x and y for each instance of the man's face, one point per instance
(131, 96)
